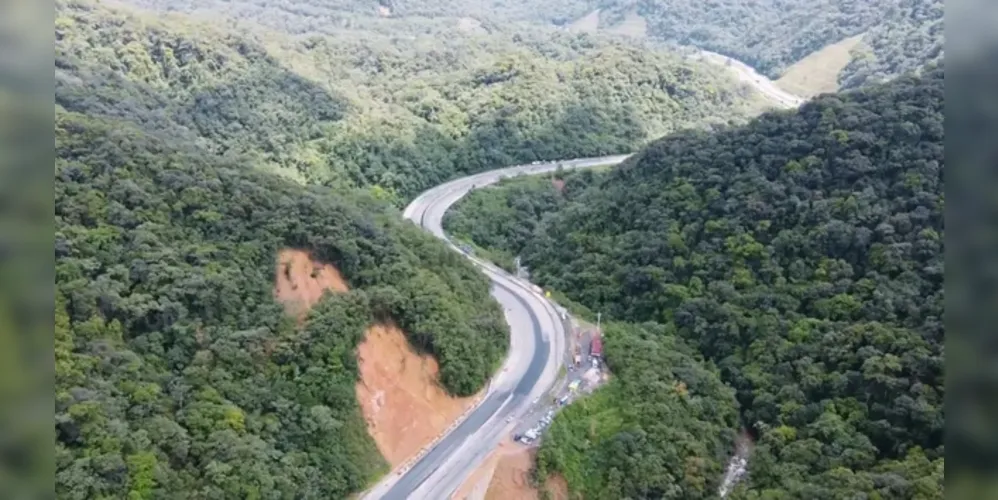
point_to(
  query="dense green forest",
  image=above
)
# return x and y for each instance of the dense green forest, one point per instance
(364, 108)
(192, 145)
(910, 36)
(801, 254)
(328, 16)
(502, 219)
(900, 36)
(662, 428)
(178, 375)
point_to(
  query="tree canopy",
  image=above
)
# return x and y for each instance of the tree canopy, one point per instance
(898, 36)
(800, 254)
(177, 372)
(661, 428)
(786, 273)
(190, 150)
(359, 107)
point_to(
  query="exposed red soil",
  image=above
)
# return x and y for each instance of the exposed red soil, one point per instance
(557, 487)
(404, 405)
(400, 397)
(478, 482)
(511, 478)
(301, 281)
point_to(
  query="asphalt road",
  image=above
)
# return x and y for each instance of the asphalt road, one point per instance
(749, 75)
(537, 346)
(548, 404)
(537, 338)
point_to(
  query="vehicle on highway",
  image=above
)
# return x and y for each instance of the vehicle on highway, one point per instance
(596, 347)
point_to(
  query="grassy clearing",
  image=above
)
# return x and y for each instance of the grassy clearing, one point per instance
(818, 72)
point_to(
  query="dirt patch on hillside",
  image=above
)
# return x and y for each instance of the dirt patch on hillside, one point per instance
(470, 25)
(557, 487)
(398, 390)
(301, 281)
(399, 395)
(512, 465)
(819, 71)
(588, 23)
(633, 26)
(477, 483)
(511, 478)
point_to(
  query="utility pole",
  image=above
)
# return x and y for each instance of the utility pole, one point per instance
(599, 316)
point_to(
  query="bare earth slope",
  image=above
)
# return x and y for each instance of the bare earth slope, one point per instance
(301, 281)
(404, 406)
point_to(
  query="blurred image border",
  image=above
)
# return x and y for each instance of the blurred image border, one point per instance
(26, 236)
(972, 249)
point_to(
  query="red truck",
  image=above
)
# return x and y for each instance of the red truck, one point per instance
(596, 347)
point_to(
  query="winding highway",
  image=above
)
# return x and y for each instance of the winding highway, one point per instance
(537, 342)
(537, 336)
(749, 75)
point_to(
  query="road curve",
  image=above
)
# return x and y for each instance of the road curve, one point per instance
(749, 75)
(537, 339)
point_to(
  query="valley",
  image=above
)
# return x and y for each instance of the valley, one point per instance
(248, 303)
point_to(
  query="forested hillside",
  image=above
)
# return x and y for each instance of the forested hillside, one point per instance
(328, 16)
(899, 36)
(502, 219)
(177, 373)
(662, 428)
(364, 108)
(801, 255)
(910, 35)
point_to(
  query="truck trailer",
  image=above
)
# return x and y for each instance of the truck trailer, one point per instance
(596, 347)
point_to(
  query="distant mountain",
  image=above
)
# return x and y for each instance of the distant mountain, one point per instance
(897, 36)
(362, 107)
